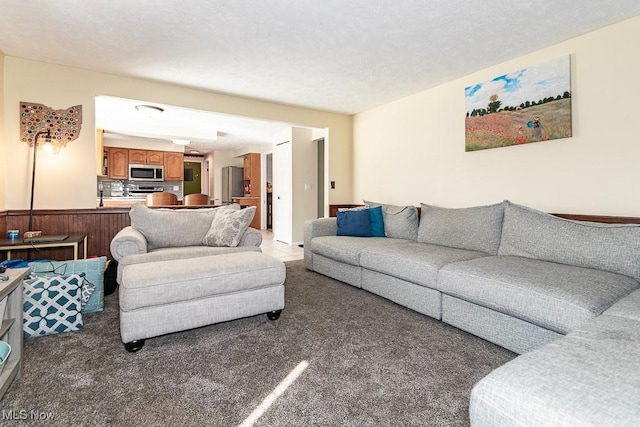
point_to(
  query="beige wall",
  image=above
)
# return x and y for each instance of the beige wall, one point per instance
(68, 181)
(412, 150)
(304, 190)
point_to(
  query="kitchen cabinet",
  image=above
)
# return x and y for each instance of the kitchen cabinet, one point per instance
(101, 165)
(146, 157)
(247, 167)
(252, 184)
(173, 166)
(117, 162)
(251, 201)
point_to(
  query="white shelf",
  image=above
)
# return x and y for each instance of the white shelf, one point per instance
(11, 326)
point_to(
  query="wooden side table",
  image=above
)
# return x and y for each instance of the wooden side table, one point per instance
(73, 241)
(11, 326)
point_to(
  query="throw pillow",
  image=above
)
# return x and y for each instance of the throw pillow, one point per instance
(377, 222)
(91, 268)
(400, 222)
(355, 223)
(52, 305)
(228, 226)
(476, 228)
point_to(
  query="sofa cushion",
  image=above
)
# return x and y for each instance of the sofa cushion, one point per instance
(400, 222)
(476, 228)
(346, 248)
(628, 307)
(415, 262)
(228, 226)
(554, 296)
(185, 252)
(530, 233)
(165, 228)
(588, 378)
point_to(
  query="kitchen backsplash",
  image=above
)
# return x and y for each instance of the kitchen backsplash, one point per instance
(138, 189)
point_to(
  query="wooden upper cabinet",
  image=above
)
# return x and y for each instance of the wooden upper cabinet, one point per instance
(117, 163)
(247, 167)
(155, 157)
(173, 166)
(101, 156)
(138, 157)
(252, 174)
(146, 157)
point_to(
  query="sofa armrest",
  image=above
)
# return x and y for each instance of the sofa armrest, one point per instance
(316, 228)
(251, 237)
(128, 241)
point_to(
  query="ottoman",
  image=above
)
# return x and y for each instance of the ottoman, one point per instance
(162, 297)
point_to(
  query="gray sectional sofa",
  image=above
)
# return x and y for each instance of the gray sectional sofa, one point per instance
(563, 294)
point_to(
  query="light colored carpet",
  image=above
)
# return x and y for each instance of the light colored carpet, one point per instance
(371, 363)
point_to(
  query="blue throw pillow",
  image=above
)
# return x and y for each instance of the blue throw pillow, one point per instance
(377, 223)
(354, 223)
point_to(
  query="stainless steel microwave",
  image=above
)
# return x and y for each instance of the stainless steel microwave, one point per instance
(146, 172)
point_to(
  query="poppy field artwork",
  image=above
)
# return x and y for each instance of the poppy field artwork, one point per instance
(529, 105)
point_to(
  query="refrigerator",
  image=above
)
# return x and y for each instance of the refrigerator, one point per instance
(232, 183)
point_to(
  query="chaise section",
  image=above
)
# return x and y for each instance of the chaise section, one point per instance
(553, 296)
(591, 377)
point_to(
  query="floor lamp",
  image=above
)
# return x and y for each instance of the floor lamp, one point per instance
(47, 135)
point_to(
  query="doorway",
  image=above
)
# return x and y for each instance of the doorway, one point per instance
(192, 178)
(320, 176)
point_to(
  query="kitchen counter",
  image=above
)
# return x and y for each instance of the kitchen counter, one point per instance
(125, 202)
(120, 201)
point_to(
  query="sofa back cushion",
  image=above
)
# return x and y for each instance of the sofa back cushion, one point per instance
(164, 228)
(530, 233)
(476, 228)
(400, 222)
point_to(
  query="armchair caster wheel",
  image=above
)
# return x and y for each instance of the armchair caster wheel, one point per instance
(274, 315)
(134, 346)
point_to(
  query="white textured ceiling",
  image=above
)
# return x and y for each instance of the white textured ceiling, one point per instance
(337, 55)
(205, 130)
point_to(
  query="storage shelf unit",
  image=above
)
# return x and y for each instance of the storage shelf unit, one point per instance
(11, 326)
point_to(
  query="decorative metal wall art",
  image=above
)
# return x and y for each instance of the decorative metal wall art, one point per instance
(64, 125)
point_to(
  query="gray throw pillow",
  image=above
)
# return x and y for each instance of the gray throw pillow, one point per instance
(531, 233)
(228, 226)
(400, 222)
(476, 228)
(165, 228)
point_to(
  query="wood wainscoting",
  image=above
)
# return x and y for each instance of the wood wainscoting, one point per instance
(100, 225)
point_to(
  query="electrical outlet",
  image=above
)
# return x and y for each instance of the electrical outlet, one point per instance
(176, 188)
(333, 185)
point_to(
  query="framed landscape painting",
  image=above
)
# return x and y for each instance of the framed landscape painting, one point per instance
(528, 105)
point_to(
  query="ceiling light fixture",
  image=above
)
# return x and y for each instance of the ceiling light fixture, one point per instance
(149, 110)
(194, 152)
(181, 141)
